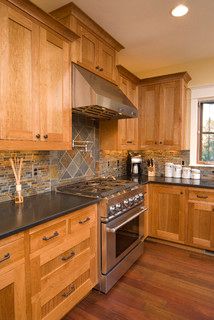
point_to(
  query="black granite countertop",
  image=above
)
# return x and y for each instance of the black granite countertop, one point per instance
(38, 209)
(180, 182)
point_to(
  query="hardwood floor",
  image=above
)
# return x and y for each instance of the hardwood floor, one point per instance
(166, 283)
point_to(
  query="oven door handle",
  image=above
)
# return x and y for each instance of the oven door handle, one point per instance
(113, 230)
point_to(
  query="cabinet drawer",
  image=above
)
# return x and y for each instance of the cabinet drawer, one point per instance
(201, 195)
(61, 303)
(81, 222)
(64, 258)
(49, 236)
(11, 252)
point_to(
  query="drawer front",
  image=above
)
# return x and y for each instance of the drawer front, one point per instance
(64, 258)
(49, 236)
(82, 222)
(11, 252)
(61, 303)
(201, 195)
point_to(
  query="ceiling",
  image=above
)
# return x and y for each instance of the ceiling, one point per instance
(151, 36)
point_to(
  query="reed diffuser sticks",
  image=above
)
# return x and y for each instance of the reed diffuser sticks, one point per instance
(16, 165)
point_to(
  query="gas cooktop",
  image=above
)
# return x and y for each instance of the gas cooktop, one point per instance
(98, 187)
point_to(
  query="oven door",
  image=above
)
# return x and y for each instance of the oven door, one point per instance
(120, 236)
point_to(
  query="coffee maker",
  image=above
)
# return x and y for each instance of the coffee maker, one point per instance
(134, 164)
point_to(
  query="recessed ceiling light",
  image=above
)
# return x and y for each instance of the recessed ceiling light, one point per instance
(179, 11)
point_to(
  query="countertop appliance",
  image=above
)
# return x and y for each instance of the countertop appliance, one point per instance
(99, 98)
(121, 209)
(134, 164)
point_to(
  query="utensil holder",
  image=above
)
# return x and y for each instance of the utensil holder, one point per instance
(151, 171)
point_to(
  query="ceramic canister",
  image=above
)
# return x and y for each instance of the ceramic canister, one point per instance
(177, 171)
(169, 169)
(195, 174)
(186, 173)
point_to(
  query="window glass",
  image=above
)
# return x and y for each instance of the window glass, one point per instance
(206, 132)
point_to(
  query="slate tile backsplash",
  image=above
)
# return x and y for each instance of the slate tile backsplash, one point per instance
(44, 170)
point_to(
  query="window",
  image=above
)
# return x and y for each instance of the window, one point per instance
(206, 132)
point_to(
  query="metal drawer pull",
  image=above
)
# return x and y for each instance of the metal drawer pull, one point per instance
(6, 257)
(66, 294)
(202, 197)
(113, 230)
(55, 234)
(84, 221)
(71, 255)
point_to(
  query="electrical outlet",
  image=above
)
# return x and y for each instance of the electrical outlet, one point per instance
(35, 172)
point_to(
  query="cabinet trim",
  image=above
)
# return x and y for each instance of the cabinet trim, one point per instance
(39, 15)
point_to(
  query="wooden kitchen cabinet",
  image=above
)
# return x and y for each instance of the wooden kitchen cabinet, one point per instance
(12, 279)
(55, 90)
(122, 134)
(201, 218)
(19, 40)
(63, 263)
(164, 112)
(35, 93)
(96, 50)
(168, 212)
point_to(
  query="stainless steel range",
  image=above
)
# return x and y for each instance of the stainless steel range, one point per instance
(121, 210)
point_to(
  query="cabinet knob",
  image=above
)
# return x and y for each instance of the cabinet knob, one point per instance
(101, 69)
(161, 142)
(38, 136)
(45, 136)
(182, 192)
(97, 67)
(156, 142)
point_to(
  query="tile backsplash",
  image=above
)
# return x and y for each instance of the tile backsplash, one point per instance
(43, 170)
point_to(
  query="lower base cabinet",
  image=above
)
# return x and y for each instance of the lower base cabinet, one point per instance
(12, 294)
(201, 219)
(12, 279)
(64, 270)
(167, 209)
(182, 215)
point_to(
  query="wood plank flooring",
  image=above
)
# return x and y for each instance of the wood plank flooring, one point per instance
(166, 283)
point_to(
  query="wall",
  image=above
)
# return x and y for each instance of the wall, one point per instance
(201, 71)
(44, 170)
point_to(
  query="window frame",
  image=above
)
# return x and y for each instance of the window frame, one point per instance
(200, 132)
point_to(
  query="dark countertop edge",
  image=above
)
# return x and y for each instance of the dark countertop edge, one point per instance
(205, 186)
(46, 219)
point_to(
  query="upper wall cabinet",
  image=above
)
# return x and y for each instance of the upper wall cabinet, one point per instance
(96, 50)
(122, 134)
(35, 88)
(164, 112)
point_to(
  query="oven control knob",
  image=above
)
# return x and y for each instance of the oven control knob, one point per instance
(131, 200)
(126, 202)
(141, 196)
(136, 198)
(112, 209)
(118, 206)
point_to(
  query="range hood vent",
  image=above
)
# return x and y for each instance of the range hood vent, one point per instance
(98, 98)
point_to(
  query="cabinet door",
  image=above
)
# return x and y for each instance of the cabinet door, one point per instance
(19, 43)
(89, 48)
(168, 213)
(55, 88)
(149, 115)
(132, 124)
(170, 114)
(107, 61)
(122, 124)
(128, 128)
(12, 294)
(201, 225)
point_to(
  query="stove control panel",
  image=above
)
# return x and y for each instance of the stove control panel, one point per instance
(123, 202)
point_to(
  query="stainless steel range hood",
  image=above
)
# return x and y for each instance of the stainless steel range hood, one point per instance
(99, 98)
